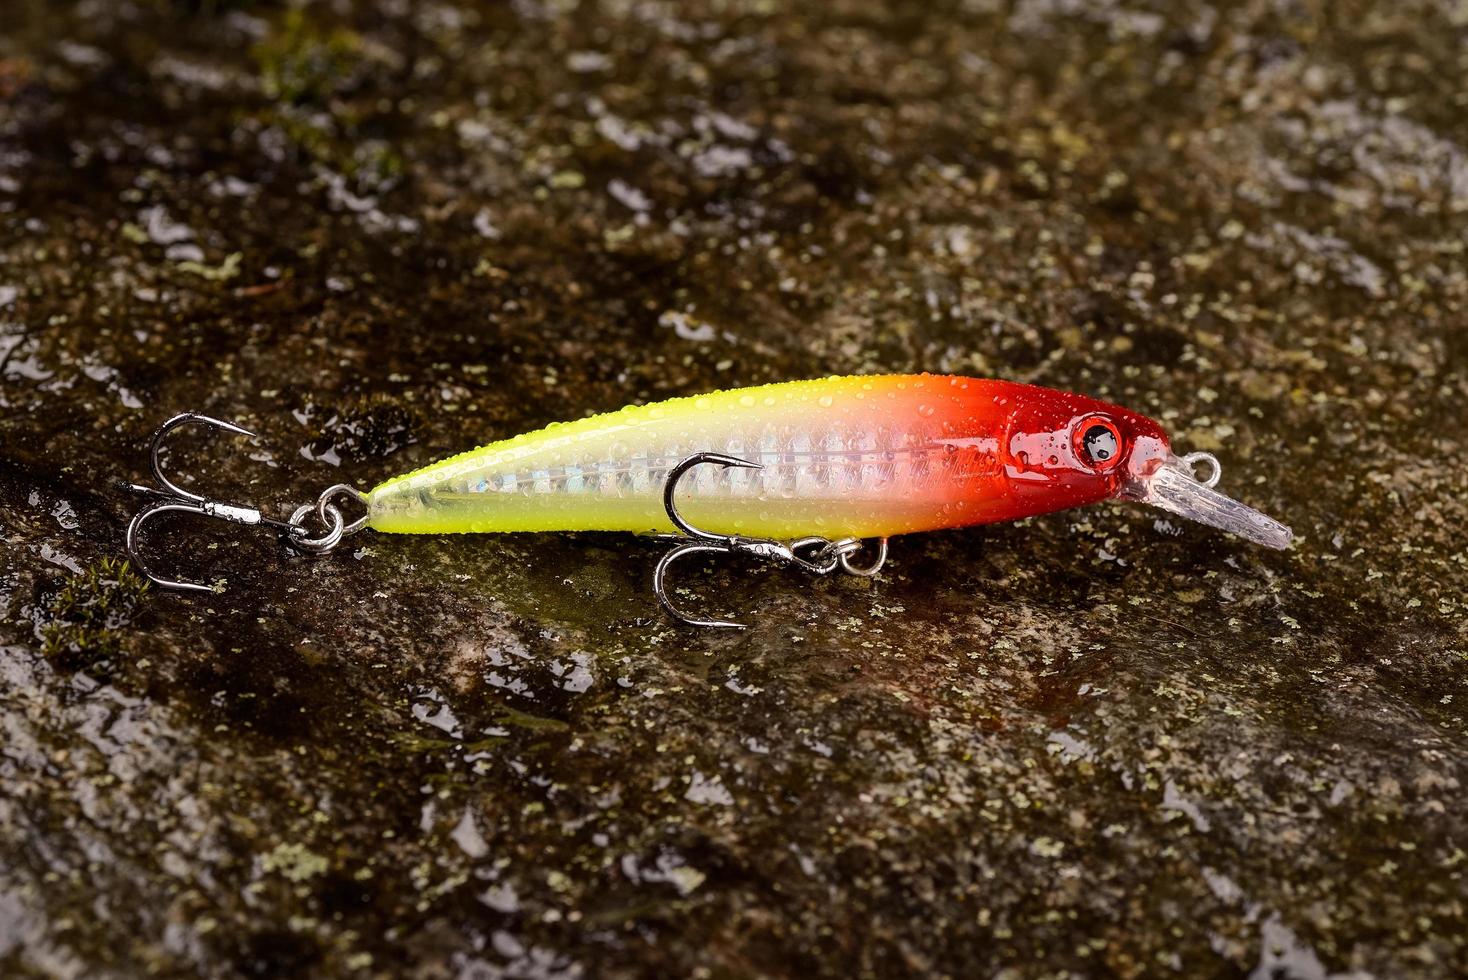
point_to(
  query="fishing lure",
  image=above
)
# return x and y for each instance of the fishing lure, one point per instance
(811, 474)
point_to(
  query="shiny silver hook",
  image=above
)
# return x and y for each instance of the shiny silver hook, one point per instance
(816, 555)
(172, 498)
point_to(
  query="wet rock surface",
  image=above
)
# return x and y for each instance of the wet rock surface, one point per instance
(376, 234)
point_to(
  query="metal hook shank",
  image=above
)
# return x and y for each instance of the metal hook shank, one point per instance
(826, 556)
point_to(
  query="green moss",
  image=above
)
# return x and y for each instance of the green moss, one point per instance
(534, 723)
(294, 862)
(85, 617)
(300, 62)
(312, 74)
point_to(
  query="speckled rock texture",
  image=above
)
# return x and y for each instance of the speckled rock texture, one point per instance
(1098, 743)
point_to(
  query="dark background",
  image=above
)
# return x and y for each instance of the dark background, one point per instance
(379, 233)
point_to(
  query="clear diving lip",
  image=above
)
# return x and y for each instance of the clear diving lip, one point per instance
(1173, 487)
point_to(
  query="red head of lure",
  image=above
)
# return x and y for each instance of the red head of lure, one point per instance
(826, 462)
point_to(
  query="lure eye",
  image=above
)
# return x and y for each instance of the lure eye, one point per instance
(1098, 443)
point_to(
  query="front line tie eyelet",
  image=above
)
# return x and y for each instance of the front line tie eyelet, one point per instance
(1215, 468)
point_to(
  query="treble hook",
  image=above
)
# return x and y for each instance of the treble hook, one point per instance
(826, 556)
(173, 498)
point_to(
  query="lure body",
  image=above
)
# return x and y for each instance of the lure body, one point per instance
(839, 457)
(823, 463)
